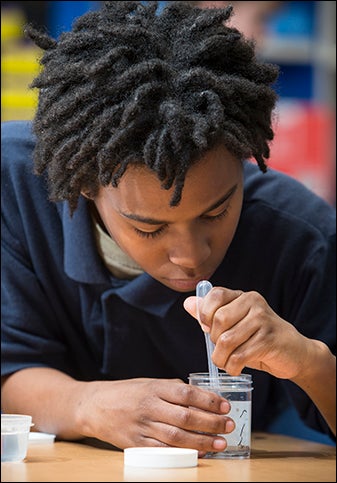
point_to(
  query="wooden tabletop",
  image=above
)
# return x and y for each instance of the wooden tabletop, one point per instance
(274, 458)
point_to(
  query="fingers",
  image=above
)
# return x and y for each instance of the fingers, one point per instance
(237, 322)
(191, 419)
(187, 395)
(233, 325)
(182, 415)
(208, 306)
(198, 410)
(169, 435)
(236, 328)
(233, 357)
(218, 298)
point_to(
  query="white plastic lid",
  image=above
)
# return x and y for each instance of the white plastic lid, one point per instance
(40, 438)
(153, 457)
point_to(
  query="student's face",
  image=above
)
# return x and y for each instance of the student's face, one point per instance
(178, 246)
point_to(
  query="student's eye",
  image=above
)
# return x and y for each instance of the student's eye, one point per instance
(216, 217)
(150, 234)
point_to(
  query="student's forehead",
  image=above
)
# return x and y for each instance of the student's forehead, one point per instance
(216, 171)
(212, 162)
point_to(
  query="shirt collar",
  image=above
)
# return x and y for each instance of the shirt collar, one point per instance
(83, 264)
(146, 293)
(81, 259)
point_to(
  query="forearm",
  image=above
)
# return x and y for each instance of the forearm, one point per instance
(318, 380)
(49, 396)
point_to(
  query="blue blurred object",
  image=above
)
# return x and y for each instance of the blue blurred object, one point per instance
(290, 424)
(61, 14)
(293, 18)
(291, 22)
(295, 81)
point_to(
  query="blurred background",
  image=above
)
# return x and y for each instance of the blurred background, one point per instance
(300, 36)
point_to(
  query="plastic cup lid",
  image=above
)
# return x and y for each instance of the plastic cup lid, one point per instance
(13, 423)
(153, 457)
(40, 438)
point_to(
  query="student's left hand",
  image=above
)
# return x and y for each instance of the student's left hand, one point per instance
(248, 333)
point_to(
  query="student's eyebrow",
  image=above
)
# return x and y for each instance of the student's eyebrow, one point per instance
(153, 221)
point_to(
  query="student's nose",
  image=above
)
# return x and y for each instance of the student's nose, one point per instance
(190, 249)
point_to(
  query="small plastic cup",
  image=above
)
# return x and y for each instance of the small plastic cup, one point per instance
(238, 391)
(15, 430)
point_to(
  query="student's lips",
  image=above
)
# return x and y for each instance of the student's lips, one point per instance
(185, 284)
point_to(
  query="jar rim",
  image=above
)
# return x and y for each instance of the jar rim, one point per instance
(222, 376)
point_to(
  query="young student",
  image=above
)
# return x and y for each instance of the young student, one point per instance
(143, 172)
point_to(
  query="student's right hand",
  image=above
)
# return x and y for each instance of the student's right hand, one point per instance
(154, 412)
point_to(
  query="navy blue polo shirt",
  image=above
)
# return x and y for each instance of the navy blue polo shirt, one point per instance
(62, 308)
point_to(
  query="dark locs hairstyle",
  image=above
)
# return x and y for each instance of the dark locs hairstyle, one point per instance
(131, 84)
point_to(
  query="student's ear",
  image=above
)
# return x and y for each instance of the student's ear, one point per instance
(87, 194)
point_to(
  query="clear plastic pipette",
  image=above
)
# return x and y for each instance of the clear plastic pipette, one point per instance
(203, 287)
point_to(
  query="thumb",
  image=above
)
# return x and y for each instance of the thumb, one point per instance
(190, 305)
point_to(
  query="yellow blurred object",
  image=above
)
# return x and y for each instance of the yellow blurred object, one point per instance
(16, 98)
(12, 21)
(18, 104)
(21, 61)
(18, 69)
(19, 66)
